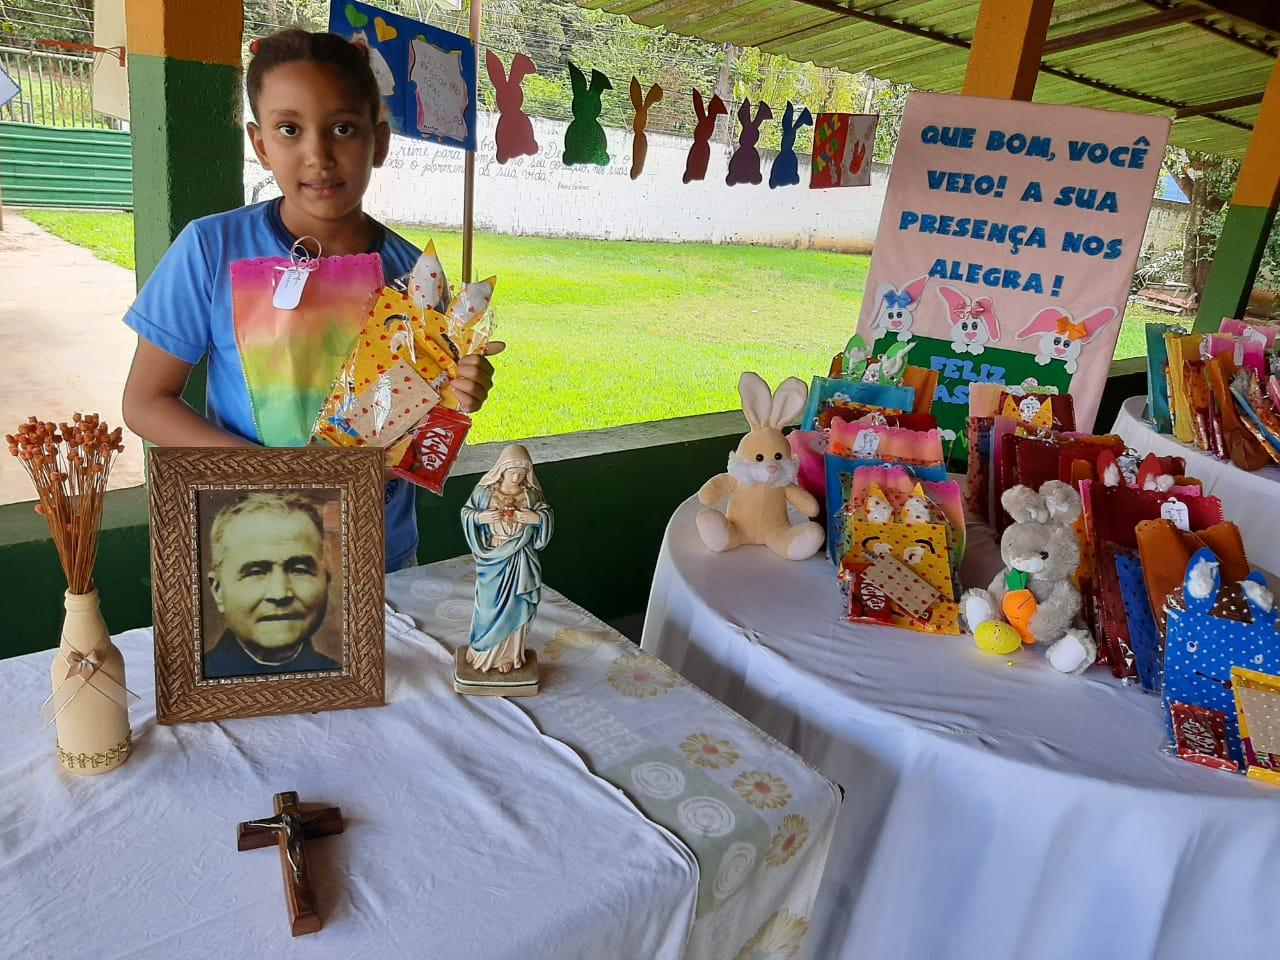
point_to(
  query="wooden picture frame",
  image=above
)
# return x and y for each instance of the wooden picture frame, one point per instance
(284, 549)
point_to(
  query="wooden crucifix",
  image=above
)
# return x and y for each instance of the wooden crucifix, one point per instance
(290, 828)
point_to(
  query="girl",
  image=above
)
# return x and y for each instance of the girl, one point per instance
(316, 127)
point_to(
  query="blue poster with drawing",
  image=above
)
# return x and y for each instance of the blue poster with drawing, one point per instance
(427, 76)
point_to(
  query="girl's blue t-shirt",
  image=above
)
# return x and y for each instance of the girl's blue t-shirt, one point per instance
(184, 308)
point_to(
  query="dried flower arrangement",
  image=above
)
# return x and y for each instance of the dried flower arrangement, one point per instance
(69, 464)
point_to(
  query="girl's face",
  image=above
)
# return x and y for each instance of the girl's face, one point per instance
(318, 139)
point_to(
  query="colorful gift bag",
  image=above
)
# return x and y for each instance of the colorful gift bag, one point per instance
(289, 354)
(1258, 711)
(839, 483)
(910, 559)
(826, 391)
(1158, 375)
(1213, 627)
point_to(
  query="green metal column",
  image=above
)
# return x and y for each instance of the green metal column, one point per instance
(184, 100)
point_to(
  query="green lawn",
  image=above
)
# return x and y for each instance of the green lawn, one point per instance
(602, 333)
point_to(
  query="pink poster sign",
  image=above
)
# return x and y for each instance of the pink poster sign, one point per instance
(1008, 239)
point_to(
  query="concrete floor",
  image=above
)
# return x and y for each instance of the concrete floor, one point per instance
(63, 347)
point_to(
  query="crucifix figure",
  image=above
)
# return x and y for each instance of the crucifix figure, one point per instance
(289, 829)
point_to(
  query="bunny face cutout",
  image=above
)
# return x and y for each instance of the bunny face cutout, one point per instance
(1062, 337)
(895, 309)
(973, 322)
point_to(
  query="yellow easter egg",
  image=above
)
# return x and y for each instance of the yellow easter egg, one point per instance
(996, 636)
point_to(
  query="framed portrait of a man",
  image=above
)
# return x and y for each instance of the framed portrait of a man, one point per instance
(267, 581)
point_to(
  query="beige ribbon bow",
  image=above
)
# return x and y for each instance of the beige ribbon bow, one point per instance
(85, 666)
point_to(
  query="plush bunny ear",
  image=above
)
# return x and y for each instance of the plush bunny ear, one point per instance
(1024, 505)
(757, 400)
(788, 402)
(1061, 501)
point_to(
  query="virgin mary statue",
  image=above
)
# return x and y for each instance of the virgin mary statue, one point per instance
(506, 522)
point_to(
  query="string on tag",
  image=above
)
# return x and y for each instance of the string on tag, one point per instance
(293, 278)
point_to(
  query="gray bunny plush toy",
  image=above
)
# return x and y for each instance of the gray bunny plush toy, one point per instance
(1040, 553)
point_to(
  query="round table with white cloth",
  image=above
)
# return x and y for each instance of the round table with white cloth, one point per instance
(995, 808)
(1250, 499)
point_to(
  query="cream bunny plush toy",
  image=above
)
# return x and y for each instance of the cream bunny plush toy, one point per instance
(761, 481)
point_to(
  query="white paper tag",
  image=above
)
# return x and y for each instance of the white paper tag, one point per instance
(1176, 511)
(866, 444)
(288, 293)
(1029, 409)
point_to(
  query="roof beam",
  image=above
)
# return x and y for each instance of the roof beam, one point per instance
(1124, 28)
(1255, 45)
(1264, 16)
(1203, 109)
(938, 36)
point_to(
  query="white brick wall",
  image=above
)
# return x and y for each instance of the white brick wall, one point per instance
(539, 195)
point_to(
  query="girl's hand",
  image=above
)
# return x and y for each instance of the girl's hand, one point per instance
(475, 377)
(528, 517)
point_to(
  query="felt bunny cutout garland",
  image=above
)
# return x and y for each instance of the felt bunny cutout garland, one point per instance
(640, 143)
(695, 164)
(786, 169)
(514, 136)
(584, 140)
(744, 165)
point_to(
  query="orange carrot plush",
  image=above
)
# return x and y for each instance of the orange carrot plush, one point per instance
(1019, 604)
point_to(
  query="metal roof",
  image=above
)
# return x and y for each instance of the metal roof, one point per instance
(1190, 60)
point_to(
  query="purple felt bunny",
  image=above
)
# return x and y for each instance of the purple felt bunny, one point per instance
(744, 165)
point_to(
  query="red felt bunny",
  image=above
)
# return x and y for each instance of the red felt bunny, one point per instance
(514, 135)
(695, 165)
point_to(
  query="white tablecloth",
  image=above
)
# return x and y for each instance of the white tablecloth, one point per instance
(1250, 499)
(995, 808)
(470, 832)
(758, 819)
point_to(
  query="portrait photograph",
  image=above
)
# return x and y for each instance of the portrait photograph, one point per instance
(271, 562)
(267, 580)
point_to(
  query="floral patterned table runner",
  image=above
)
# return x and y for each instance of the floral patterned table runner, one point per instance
(758, 819)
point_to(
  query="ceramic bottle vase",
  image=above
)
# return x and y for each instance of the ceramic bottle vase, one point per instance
(93, 729)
